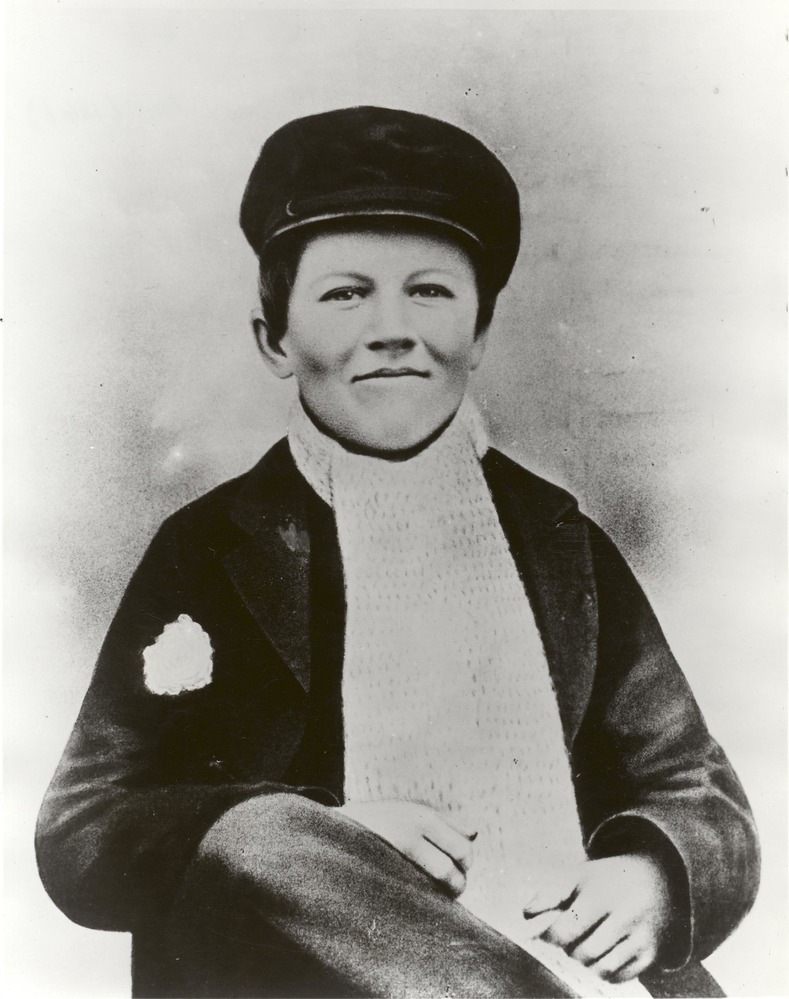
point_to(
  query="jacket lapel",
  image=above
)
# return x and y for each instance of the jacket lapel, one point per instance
(271, 567)
(549, 543)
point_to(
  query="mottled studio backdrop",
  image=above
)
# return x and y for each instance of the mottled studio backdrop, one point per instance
(637, 356)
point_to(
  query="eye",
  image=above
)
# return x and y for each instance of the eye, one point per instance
(345, 294)
(431, 291)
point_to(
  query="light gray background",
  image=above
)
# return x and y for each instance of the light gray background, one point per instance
(637, 356)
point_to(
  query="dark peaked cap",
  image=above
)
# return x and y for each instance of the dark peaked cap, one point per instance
(369, 161)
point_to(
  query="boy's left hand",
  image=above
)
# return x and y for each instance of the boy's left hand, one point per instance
(611, 913)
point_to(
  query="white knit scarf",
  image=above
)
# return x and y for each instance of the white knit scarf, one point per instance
(447, 696)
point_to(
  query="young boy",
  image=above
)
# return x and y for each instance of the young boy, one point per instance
(387, 715)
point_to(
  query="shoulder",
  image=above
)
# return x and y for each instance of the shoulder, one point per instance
(524, 498)
(233, 508)
(511, 483)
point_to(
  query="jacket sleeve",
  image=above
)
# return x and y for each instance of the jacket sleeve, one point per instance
(649, 773)
(146, 774)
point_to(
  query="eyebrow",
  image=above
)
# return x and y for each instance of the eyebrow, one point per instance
(338, 275)
(432, 270)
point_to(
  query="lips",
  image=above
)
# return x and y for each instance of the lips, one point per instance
(391, 373)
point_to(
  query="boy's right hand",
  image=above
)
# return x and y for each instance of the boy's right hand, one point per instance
(422, 835)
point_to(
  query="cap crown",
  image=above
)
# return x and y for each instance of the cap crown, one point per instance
(370, 161)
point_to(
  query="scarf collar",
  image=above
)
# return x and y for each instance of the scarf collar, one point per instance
(316, 454)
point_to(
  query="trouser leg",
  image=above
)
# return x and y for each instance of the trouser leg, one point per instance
(332, 910)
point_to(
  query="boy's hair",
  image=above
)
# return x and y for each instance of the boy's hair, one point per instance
(279, 264)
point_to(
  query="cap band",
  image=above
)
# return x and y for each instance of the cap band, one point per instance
(373, 213)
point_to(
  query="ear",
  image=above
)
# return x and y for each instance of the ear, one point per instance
(478, 349)
(273, 350)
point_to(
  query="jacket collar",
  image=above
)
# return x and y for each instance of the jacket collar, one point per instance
(549, 541)
(271, 568)
(546, 534)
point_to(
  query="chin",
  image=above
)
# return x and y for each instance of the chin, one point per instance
(383, 434)
(398, 441)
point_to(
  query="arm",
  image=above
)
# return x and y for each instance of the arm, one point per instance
(145, 775)
(650, 777)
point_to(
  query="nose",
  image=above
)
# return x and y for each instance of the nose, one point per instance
(388, 330)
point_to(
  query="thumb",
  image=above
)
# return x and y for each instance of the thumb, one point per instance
(555, 891)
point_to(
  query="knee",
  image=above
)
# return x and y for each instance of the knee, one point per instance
(276, 814)
(259, 827)
(285, 844)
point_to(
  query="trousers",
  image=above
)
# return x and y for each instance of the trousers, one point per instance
(322, 907)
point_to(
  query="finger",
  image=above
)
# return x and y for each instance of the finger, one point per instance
(429, 815)
(575, 923)
(598, 941)
(635, 967)
(555, 892)
(446, 838)
(602, 936)
(454, 822)
(535, 926)
(618, 963)
(441, 867)
(434, 819)
(461, 854)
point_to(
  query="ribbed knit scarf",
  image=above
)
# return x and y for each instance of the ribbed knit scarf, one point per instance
(447, 696)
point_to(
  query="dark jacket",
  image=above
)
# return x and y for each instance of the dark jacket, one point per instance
(256, 563)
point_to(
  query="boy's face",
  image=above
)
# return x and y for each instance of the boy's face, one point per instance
(381, 336)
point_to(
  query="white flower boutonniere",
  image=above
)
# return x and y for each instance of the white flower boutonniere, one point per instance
(180, 659)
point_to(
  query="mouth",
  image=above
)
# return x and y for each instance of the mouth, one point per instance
(391, 373)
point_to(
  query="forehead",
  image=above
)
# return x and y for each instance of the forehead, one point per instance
(382, 252)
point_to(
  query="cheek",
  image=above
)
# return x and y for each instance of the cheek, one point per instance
(314, 365)
(453, 346)
(319, 351)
